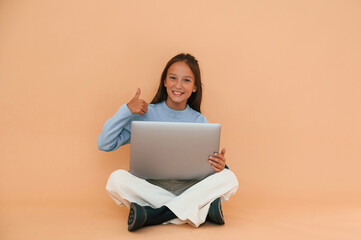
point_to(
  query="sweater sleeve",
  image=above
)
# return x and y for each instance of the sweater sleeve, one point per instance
(116, 130)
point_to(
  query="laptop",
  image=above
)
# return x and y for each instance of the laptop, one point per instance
(173, 150)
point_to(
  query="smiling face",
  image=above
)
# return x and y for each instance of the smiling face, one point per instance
(179, 83)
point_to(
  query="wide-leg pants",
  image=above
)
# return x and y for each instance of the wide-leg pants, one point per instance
(190, 207)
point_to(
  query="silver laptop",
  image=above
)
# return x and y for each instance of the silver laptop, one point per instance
(173, 150)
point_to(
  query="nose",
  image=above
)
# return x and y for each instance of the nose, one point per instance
(179, 83)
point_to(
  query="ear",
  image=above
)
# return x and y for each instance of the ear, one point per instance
(165, 82)
(194, 89)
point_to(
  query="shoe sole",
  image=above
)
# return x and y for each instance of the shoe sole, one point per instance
(137, 218)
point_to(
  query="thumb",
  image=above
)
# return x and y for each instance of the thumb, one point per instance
(137, 94)
(223, 152)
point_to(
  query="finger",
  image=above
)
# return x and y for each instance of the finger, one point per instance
(216, 165)
(144, 103)
(137, 94)
(219, 156)
(216, 169)
(223, 152)
(216, 162)
(144, 107)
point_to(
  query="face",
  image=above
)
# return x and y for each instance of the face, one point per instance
(179, 83)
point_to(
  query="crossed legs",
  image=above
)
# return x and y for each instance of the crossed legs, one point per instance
(189, 207)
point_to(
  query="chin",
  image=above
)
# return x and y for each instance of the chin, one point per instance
(178, 101)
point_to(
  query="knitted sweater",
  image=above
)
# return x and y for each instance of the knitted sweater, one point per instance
(116, 130)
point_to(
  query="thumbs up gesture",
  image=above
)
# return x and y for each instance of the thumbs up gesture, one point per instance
(138, 106)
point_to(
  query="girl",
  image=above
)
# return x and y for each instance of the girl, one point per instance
(152, 201)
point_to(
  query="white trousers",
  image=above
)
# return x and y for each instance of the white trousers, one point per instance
(190, 207)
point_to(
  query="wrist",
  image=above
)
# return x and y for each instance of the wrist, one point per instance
(129, 108)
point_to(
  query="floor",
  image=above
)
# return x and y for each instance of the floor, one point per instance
(105, 220)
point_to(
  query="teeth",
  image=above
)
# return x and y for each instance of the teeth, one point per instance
(177, 93)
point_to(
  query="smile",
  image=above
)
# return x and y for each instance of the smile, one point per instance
(177, 93)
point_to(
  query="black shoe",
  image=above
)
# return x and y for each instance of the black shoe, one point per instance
(215, 213)
(137, 217)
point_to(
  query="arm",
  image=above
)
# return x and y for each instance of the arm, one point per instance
(116, 131)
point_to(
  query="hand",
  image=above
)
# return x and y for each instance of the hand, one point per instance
(138, 106)
(218, 161)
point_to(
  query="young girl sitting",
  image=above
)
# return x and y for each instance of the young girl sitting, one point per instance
(153, 201)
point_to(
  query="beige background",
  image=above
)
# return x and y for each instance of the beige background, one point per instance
(282, 77)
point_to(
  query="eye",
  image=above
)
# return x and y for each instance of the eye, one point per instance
(187, 80)
(173, 78)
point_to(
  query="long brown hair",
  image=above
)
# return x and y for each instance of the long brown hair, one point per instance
(194, 101)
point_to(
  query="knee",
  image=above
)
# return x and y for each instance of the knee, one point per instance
(229, 177)
(115, 179)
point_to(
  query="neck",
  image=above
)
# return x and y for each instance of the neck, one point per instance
(176, 106)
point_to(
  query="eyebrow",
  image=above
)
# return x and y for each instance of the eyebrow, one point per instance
(176, 75)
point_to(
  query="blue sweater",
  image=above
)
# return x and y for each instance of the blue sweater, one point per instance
(116, 130)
